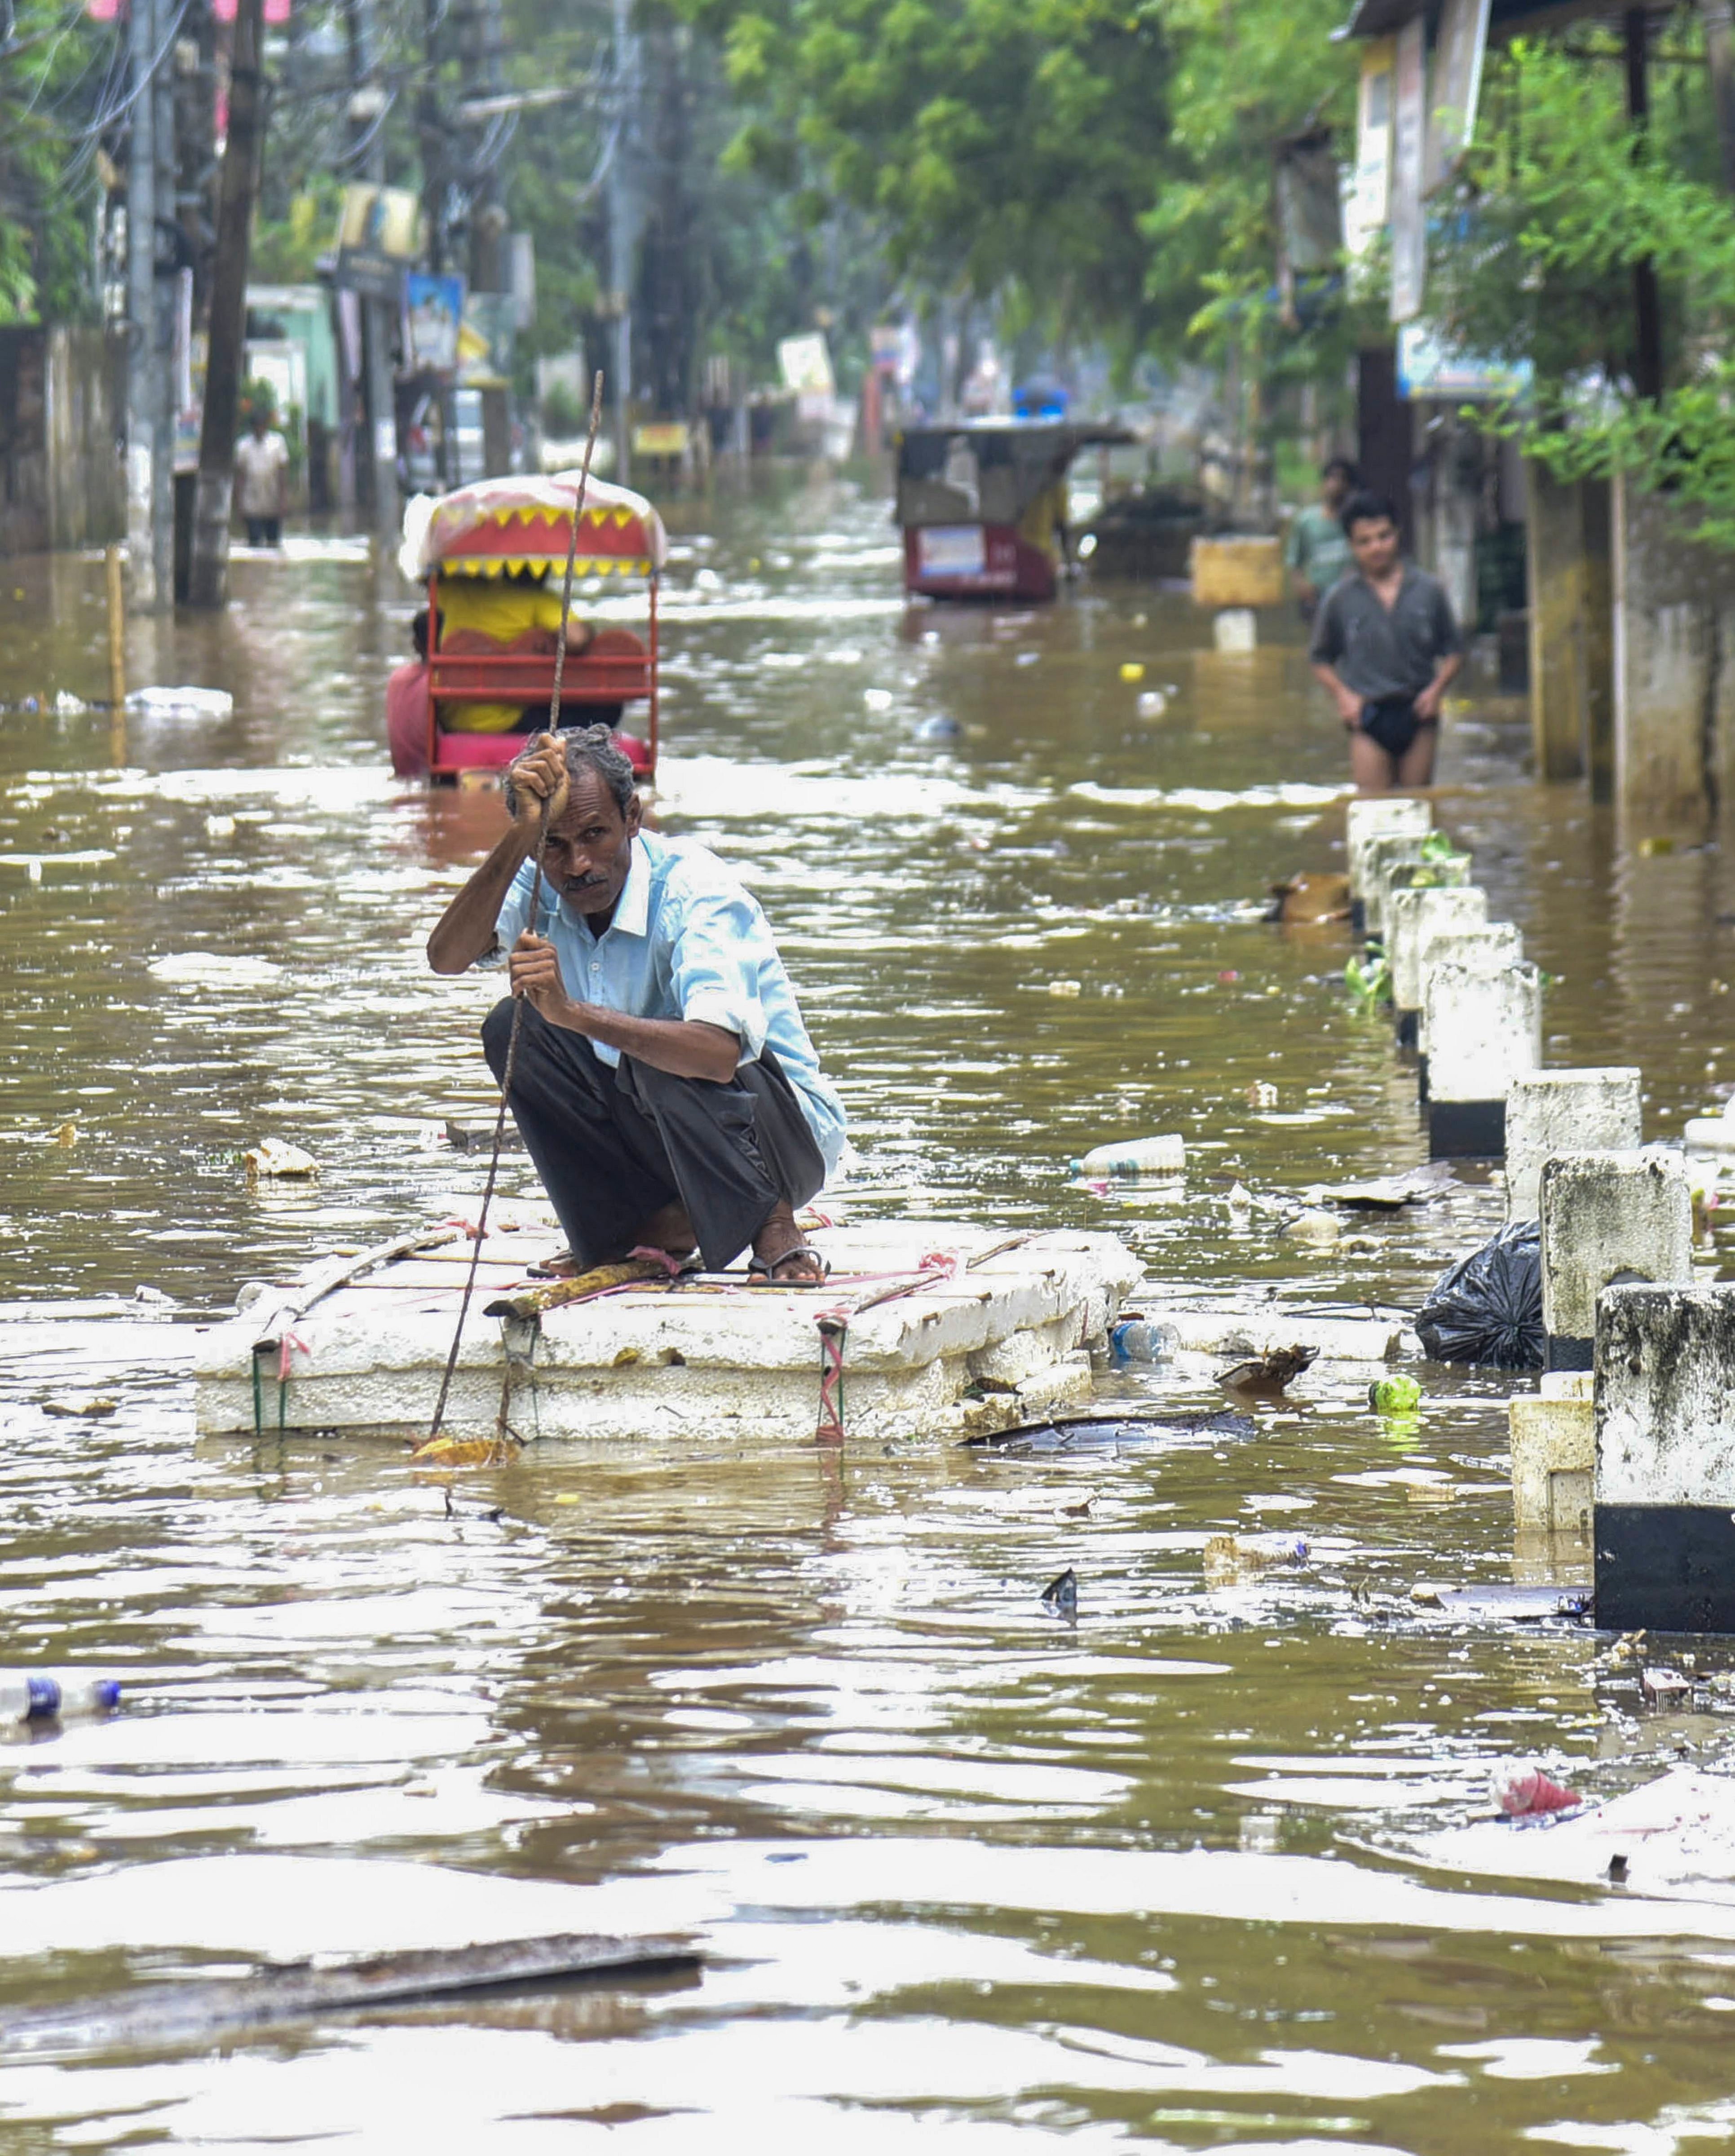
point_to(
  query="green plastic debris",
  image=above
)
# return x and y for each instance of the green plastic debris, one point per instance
(1437, 847)
(1443, 871)
(1368, 981)
(1395, 1395)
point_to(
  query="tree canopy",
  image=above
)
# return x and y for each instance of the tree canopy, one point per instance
(1561, 199)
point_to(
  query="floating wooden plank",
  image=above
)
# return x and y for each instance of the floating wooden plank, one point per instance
(178, 2013)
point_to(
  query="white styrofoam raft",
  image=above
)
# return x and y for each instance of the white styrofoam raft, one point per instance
(708, 1357)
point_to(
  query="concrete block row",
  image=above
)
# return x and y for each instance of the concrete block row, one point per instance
(1463, 998)
(1631, 1436)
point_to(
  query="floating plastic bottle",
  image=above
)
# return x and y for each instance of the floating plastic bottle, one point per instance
(42, 1695)
(1139, 1339)
(1160, 1156)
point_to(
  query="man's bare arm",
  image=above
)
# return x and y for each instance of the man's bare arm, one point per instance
(1348, 703)
(465, 930)
(1429, 702)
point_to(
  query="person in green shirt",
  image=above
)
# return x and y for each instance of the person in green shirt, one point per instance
(1317, 552)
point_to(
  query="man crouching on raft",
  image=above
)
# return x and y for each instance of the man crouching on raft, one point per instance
(665, 1087)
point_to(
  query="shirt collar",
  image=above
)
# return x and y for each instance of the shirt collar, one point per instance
(632, 916)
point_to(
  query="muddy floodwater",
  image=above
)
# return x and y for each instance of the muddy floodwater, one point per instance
(960, 1870)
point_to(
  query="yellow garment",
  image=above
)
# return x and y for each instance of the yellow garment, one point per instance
(1041, 523)
(498, 607)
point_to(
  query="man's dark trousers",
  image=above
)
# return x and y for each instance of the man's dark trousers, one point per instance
(613, 1146)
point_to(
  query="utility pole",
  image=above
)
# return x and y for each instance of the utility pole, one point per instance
(167, 287)
(488, 226)
(432, 127)
(1647, 310)
(143, 390)
(620, 232)
(208, 583)
(366, 109)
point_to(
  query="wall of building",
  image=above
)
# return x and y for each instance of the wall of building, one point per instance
(62, 398)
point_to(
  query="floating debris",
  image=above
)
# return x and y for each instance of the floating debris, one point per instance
(1106, 1433)
(276, 1157)
(1525, 1792)
(1165, 1155)
(1264, 1377)
(1388, 1193)
(1310, 898)
(1509, 1604)
(1059, 1598)
(175, 2012)
(181, 703)
(1229, 1558)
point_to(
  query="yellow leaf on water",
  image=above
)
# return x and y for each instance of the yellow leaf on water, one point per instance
(465, 1452)
(66, 1135)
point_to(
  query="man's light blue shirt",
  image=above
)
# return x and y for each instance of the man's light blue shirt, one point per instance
(687, 940)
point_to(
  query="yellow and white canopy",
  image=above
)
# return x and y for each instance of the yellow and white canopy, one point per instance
(525, 521)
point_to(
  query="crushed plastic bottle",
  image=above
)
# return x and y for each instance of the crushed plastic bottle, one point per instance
(1156, 1155)
(41, 1695)
(1141, 1340)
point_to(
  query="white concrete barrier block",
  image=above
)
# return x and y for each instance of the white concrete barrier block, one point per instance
(1608, 1218)
(1412, 916)
(1483, 1029)
(1664, 1521)
(1484, 948)
(1553, 1445)
(1390, 851)
(1551, 1112)
(1388, 816)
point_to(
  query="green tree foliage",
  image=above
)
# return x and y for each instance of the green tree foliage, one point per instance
(1249, 76)
(1097, 168)
(997, 147)
(58, 76)
(1561, 199)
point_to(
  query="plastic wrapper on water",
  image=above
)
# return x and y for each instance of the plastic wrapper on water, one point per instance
(1487, 1308)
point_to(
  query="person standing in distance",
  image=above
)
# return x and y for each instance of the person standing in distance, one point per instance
(1317, 552)
(1385, 646)
(261, 463)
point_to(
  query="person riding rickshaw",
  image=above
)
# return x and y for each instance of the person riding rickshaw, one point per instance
(493, 559)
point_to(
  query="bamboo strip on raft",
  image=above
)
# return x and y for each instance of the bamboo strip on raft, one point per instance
(598, 1280)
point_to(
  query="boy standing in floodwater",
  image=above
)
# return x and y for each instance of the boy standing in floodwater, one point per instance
(1385, 645)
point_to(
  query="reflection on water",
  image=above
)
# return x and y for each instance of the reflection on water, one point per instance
(961, 1868)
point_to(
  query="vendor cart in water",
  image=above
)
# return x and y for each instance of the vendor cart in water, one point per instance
(983, 505)
(493, 558)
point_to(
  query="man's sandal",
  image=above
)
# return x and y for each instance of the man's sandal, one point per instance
(761, 1272)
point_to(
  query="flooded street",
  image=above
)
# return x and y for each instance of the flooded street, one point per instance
(957, 1866)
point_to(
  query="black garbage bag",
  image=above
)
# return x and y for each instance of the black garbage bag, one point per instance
(1488, 1307)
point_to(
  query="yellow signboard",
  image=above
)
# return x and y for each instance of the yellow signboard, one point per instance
(660, 437)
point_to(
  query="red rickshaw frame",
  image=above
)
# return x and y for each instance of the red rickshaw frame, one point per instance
(500, 526)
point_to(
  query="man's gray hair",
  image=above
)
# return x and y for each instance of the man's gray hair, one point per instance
(588, 748)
